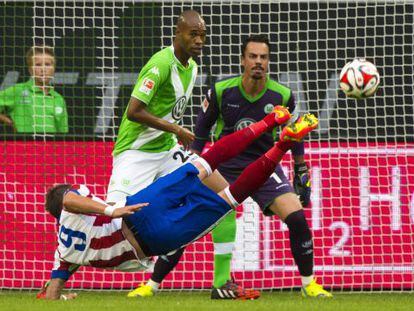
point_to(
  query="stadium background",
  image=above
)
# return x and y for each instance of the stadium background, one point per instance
(100, 48)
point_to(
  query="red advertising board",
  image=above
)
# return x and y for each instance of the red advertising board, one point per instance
(362, 218)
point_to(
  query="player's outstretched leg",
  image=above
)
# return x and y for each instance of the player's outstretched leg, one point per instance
(256, 174)
(231, 145)
(298, 130)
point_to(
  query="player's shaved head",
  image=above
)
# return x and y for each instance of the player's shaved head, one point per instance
(190, 35)
(189, 18)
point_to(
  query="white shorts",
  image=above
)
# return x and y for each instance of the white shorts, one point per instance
(133, 170)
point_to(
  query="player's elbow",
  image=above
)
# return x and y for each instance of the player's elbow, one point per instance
(132, 115)
(137, 116)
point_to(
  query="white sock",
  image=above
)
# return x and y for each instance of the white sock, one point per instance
(306, 280)
(155, 286)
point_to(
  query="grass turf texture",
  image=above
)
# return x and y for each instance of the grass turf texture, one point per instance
(199, 301)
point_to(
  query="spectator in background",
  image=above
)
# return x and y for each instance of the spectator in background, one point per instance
(34, 106)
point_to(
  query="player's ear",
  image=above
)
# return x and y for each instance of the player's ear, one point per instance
(30, 69)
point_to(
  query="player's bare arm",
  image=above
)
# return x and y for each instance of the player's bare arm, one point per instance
(52, 290)
(137, 112)
(78, 204)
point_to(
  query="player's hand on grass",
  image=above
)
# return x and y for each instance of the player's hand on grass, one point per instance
(69, 296)
(185, 136)
(302, 184)
(52, 291)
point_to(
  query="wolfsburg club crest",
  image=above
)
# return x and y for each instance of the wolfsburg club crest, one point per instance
(179, 108)
(243, 123)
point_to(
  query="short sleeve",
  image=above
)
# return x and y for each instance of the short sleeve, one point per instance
(151, 77)
(62, 269)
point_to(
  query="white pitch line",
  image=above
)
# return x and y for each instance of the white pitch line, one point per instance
(342, 268)
(359, 151)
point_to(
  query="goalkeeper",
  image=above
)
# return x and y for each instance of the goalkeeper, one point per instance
(235, 103)
(179, 208)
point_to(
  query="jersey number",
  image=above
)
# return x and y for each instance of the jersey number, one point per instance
(182, 155)
(72, 234)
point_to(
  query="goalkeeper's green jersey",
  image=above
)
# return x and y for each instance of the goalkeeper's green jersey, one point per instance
(165, 86)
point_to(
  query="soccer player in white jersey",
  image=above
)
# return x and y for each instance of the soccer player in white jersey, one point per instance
(146, 147)
(171, 213)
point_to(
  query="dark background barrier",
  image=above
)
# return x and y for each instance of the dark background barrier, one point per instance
(311, 42)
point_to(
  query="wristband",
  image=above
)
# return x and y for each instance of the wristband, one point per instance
(109, 210)
(63, 297)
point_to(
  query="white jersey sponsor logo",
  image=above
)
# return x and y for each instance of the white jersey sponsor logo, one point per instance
(155, 71)
(147, 86)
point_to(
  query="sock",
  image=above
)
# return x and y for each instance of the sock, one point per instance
(222, 269)
(224, 237)
(164, 265)
(231, 145)
(256, 174)
(155, 286)
(300, 242)
(306, 280)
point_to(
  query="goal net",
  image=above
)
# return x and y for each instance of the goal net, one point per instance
(362, 155)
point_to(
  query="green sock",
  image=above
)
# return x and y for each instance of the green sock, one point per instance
(224, 236)
(222, 265)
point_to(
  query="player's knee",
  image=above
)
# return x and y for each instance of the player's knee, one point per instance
(285, 204)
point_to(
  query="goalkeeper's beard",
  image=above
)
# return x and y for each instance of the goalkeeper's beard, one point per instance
(257, 76)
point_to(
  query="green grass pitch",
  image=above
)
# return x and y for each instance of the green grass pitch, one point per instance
(199, 301)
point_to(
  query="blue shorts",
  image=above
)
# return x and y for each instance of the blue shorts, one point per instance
(275, 186)
(181, 210)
